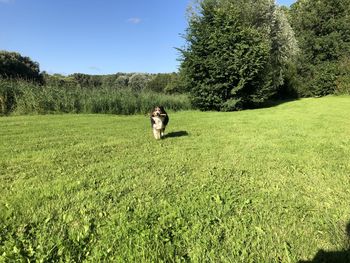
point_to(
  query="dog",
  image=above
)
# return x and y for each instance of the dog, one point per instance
(159, 120)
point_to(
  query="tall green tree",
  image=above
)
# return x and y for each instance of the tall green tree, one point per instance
(322, 28)
(236, 53)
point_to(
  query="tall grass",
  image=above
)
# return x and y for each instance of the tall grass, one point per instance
(20, 97)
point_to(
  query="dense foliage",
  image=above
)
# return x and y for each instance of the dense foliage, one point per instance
(237, 53)
(14, 65)
(23, 90)
(22, 97)
(161, 82)
(165, 82)
(323, 32)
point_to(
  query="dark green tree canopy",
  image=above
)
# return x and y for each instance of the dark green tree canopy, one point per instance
(323, 31)
(236, 53)
(14, 65)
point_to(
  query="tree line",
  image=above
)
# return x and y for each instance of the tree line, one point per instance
(15, 66)
(160, 82)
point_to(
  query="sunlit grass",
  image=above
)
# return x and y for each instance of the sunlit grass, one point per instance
(267, 185)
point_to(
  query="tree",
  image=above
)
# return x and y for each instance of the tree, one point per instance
(166, 82)
(138, 81)
(159, 82)
(88, 81)
(176, 84)
(121, 81)
(322, 29)
(58, 80)
(236, 53)
(14, 65)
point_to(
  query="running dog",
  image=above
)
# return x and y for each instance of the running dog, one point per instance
(159, 120)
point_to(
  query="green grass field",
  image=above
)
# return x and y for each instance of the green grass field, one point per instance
(266, 185)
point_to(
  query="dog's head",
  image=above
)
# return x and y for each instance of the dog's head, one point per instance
(158, 111)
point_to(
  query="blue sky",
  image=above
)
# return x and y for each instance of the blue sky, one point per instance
(96, 37)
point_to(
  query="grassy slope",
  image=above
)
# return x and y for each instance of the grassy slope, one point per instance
(268, 185)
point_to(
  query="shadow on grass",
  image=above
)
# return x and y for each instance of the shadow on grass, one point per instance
(176, 134)
(274, 103)
(332, 256)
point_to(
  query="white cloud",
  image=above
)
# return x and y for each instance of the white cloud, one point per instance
(134, 20)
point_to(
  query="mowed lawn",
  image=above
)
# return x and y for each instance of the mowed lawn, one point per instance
(265, 185)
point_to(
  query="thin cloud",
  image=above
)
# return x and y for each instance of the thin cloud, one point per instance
(5, 1)
(134, 20)
(94, 68)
